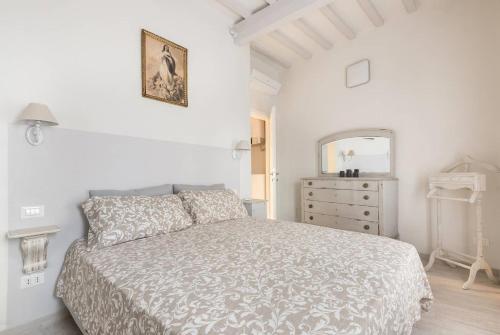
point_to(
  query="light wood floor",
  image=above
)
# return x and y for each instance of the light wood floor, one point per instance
(460, 312)
(455, 311)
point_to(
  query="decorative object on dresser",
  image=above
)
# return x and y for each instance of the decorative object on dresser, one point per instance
(34, 242)
(476, 184)
(366, 203)
(256, 208)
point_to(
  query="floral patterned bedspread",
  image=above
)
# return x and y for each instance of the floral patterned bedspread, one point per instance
(247, 277)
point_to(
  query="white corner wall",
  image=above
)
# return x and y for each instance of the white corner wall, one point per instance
(434, 82)
(83, 59)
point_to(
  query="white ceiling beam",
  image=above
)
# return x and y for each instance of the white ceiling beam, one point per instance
(271, 17)
(410, 5)
(236, 7)
(280, 37)
(272, 59)
(372, 12)
(313, 34)
(337, 21)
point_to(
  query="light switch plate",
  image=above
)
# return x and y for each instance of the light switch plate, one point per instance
(30, 212)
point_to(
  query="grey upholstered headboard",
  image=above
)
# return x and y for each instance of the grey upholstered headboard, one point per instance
(59, 173)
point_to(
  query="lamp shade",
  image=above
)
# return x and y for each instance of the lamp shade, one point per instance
(242, 145)
(38, 112)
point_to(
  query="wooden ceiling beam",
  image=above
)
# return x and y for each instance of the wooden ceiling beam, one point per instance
(272, 17)
(236, 7)
(268, 57)
(371, 11)
(337, 21)
(286, 41)
(313, 34)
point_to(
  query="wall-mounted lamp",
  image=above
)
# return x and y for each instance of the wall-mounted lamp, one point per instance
(240, 147)
(347, 155)
(37, 115)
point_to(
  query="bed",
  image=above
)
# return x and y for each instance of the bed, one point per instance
(246, 276)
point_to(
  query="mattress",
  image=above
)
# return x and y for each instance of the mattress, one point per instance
(247, 276)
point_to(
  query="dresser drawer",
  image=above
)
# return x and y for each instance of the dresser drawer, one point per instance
(348, 184)
(341, 223)
(365, 198)
(365, 213)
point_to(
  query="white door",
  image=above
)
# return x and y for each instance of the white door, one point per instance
(274, 174)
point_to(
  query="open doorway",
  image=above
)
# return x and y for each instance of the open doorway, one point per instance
(264, 175)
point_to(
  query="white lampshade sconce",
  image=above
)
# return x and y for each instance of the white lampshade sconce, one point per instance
(37, 115)
(239, 148)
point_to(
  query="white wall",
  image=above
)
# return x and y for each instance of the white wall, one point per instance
(434, 82)
(83, 59)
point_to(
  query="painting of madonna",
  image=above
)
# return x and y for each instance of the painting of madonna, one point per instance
(164, 70)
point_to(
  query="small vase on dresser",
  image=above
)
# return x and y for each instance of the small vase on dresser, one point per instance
(366, 204)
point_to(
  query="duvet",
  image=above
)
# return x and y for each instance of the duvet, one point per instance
(246, 277)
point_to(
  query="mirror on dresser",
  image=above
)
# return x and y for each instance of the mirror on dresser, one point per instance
(366, 203)
(371, 151)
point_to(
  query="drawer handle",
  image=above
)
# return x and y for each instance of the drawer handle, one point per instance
(366, 197)
(310, 194)
(365, 185)
(311, 206)
(366, 213)
(310, 183)
(366, 227)
(311, 217)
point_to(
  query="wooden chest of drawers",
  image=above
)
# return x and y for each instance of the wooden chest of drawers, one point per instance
(367, 205)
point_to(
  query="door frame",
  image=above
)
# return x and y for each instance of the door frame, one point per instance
(270, 128)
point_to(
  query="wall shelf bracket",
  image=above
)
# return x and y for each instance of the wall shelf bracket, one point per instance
(34, 242)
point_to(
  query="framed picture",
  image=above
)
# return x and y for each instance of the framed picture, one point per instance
(357, 74)
(164, 69)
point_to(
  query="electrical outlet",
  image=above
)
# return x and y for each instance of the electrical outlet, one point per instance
(29, 212)
(32, 280)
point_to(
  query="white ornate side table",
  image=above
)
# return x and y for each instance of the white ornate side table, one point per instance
(452, 181)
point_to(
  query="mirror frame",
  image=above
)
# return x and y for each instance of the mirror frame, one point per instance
(358, 133)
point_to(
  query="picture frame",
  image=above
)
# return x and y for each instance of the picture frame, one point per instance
(164, 69)
(357, 73)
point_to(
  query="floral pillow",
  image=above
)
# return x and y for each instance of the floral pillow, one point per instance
(115, 220)
(213, 205)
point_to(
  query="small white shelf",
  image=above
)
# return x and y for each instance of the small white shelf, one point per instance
(35, 231)
(34, 243)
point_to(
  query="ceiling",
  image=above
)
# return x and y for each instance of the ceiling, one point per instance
(290, 31)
